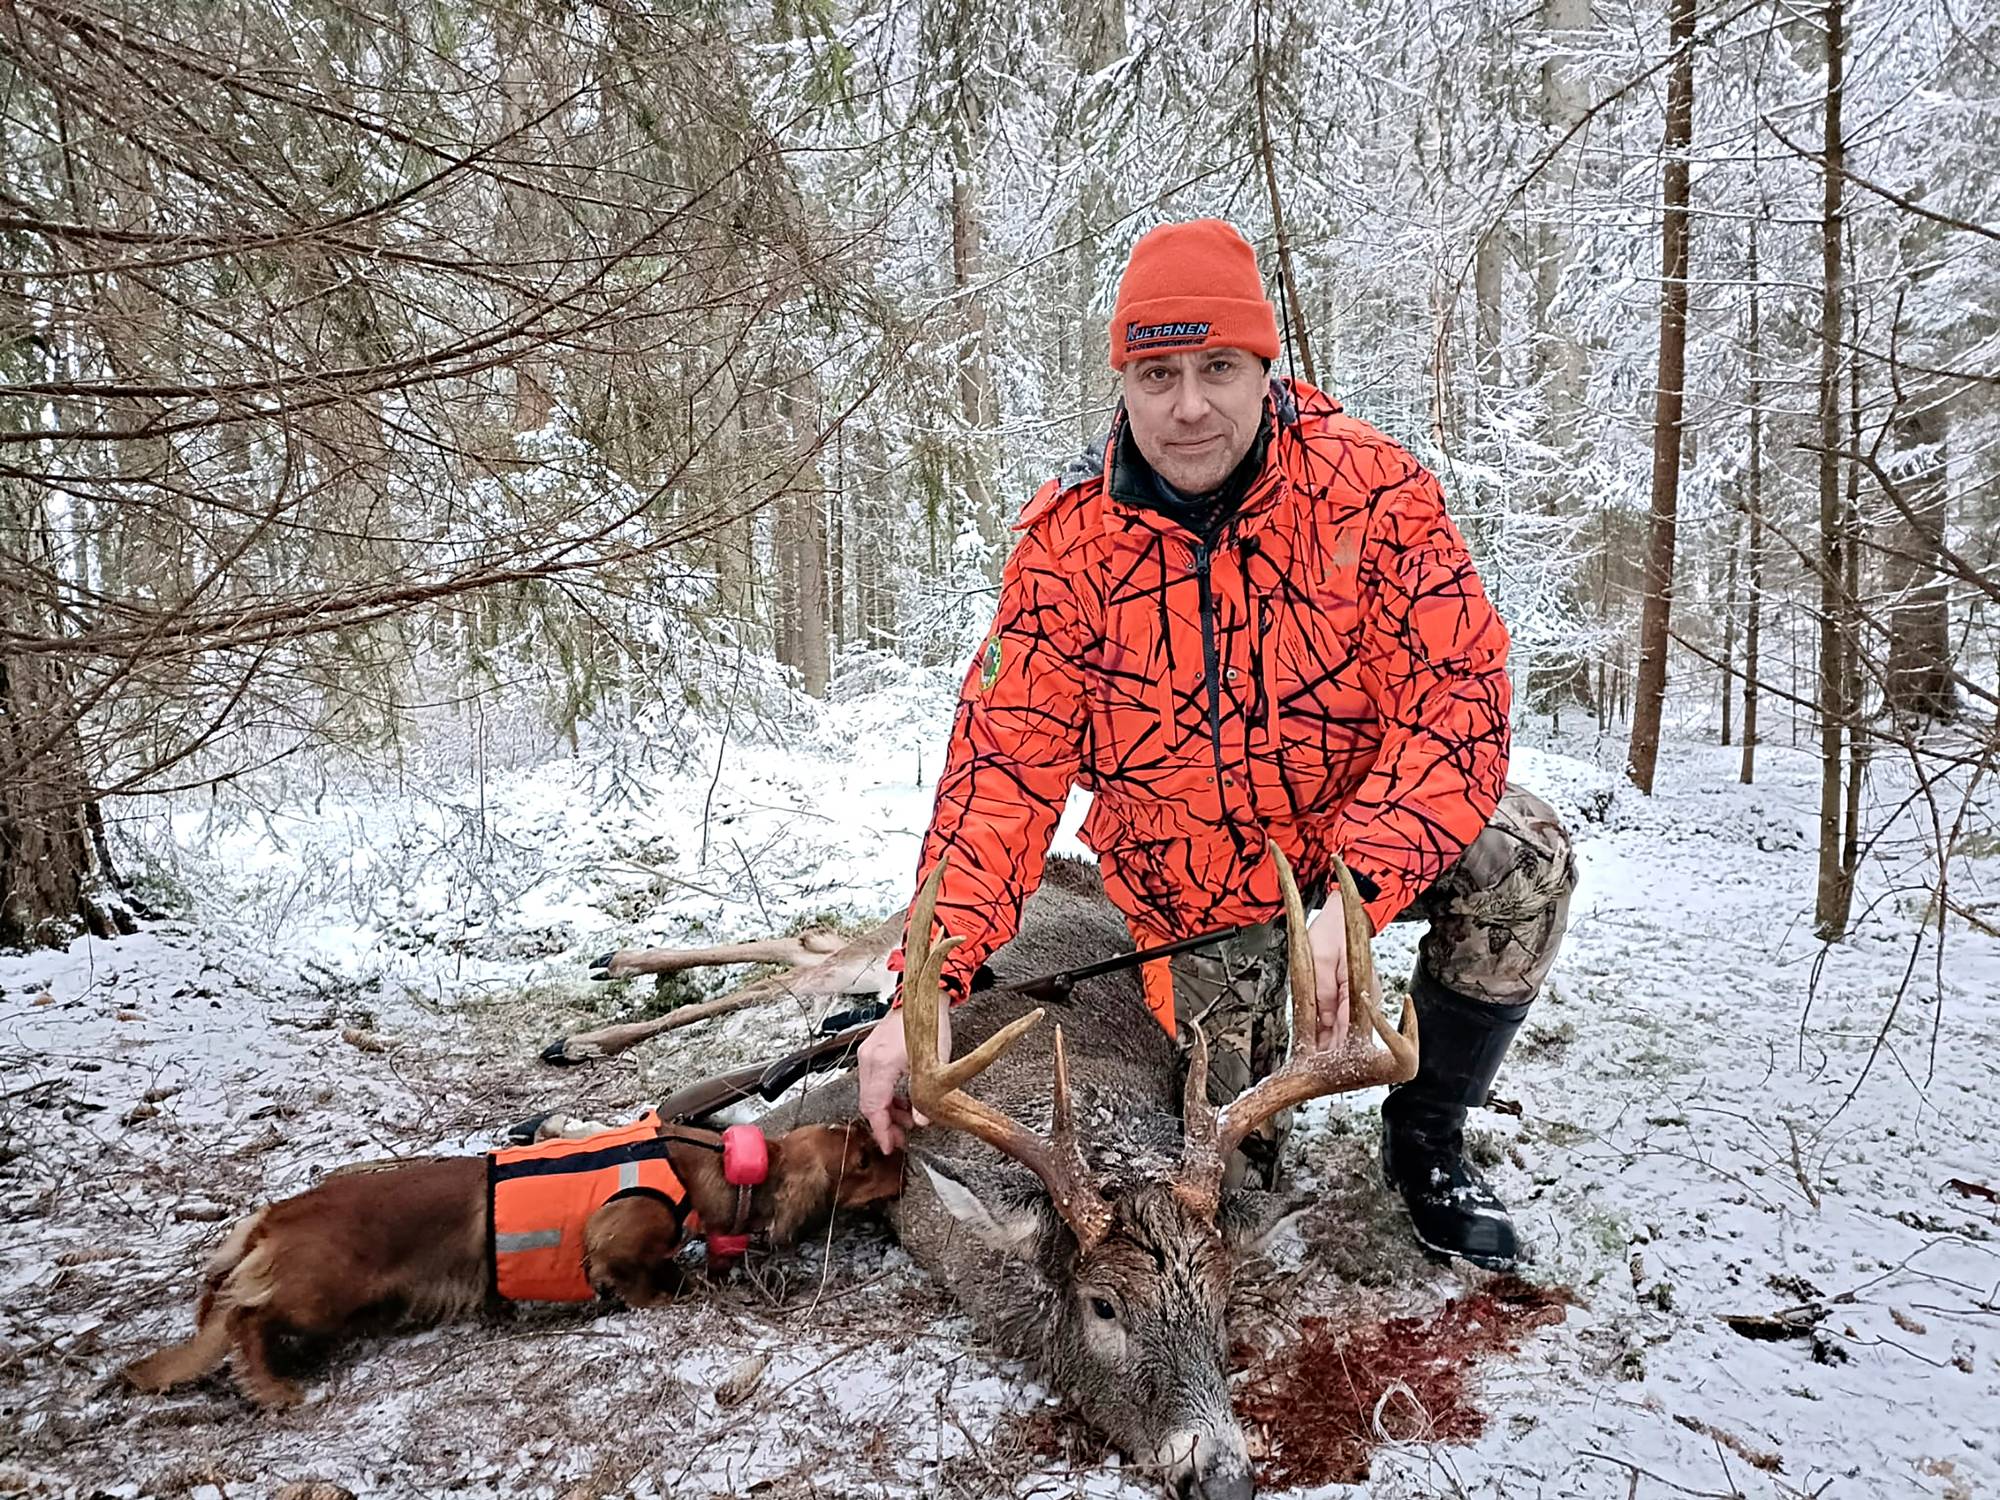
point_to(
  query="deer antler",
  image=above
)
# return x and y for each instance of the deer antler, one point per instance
(937, 1087)
(1306, 1074)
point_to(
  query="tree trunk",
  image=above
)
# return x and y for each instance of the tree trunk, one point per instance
(1753, 625)
(1674, 236)
(1918, 681)
(1096, 33)
(1565, 97)
(1606, 709)
(52, 849)
(804, 541)
(1487, 267)
(836, 567)
(1300, 331)
(1851, 694)
(521, 229)
(1835, 890)
(874, 576)
(815, 638)
(1729, 632)
(977, 406)
(45, 859)
(784, 528)
(1557, 366)
(47, 856)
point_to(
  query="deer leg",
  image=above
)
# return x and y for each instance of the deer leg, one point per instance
(1235, 992)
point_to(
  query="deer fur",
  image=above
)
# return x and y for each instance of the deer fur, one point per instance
(1135, 1332)
(408, 1240)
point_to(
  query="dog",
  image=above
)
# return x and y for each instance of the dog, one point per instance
(441, 1237)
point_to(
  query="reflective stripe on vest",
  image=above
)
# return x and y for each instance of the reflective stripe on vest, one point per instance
(539, 1198)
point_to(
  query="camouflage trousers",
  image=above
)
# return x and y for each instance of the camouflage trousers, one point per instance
(1497, 919)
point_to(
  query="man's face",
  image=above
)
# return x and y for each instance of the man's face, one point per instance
(1195, 415)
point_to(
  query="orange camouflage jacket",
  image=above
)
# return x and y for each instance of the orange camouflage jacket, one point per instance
(1327, 673)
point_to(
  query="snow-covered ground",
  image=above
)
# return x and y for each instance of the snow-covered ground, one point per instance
(1695, 1143)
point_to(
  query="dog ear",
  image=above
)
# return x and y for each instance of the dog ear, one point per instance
(629, 1246)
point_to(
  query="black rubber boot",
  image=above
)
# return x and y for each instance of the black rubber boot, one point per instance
(1461, 1043)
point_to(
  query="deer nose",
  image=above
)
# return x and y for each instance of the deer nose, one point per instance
(1232, 1484)
(1214, 1470)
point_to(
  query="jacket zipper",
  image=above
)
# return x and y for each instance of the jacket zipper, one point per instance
(1209, 656)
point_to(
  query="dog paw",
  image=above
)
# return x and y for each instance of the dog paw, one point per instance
(142, 1375)
(274, 1395)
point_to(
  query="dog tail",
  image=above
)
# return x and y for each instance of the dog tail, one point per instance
(178, 1363)
(228, 1256)
(236, 1276)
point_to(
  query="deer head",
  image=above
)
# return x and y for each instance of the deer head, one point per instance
(1138, 1279)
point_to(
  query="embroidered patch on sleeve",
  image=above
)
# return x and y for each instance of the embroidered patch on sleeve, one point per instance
(989, 664)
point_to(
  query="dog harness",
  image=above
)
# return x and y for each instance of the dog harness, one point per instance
(539, 1198)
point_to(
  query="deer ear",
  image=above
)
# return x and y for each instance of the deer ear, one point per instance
(1014, 1230)
(1250, 1218)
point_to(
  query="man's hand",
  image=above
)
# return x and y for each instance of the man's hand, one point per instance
(885, 1062)
(1327, 934)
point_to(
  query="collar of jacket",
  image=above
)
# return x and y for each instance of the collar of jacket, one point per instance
(1134, 482)
(1128, 483)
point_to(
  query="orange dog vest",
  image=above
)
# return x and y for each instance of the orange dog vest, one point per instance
(540, 1196)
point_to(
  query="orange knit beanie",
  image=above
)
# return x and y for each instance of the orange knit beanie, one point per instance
(1191, 286)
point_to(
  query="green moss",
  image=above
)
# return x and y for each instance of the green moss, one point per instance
(1607, 1229)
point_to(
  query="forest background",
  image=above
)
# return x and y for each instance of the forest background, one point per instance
(464, 384)
(487, 482)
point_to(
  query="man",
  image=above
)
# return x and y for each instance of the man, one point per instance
(1246, 617)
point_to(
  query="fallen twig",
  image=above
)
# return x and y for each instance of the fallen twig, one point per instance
(1789, 1323)
(1757, 1458)
(1731, 1493)
(1799, 1166)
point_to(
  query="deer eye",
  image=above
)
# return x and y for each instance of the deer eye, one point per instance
(1103, 1308)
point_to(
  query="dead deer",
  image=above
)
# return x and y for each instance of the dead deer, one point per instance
(428, 1239)
(1072, 1195)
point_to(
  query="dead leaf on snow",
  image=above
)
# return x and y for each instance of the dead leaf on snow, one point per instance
(1955, 1488)
(742, 1380)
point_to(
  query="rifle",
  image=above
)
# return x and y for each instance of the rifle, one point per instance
(847, 1029)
